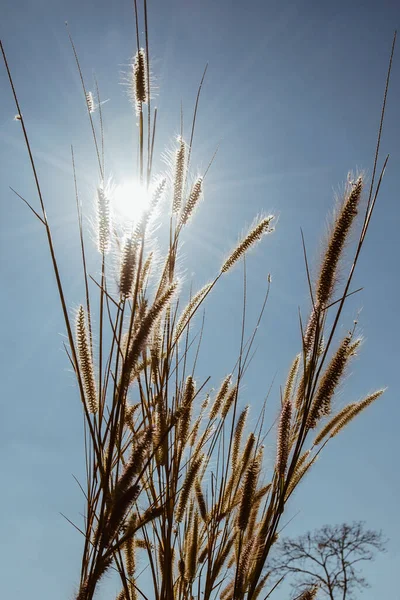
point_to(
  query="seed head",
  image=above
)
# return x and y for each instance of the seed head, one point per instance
(336, 242)
(254, 235)
(179, 176)
(283, 438)
(193, 200)
(103, 221)
(140, 80)
(85, 362)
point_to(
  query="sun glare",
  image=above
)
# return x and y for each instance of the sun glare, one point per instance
(130, 200)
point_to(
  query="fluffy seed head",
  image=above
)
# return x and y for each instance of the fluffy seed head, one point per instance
(222, 392)
(354, 410)
(158, 193)
(103, 221)
(85, 362)
(179, 175)
(254, 235)
(191, 474)
(127, 269)
(185, 420)
(291, 379)
(301, 469)
(248, 491)
(283, 438)
(140, 80)
(321, 405)
(237, 437)
(190, 309)
(193, 200)
(201, 500)
(336, 242)
(229, 400)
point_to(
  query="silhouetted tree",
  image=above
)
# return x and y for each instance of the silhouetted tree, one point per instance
(329, 558)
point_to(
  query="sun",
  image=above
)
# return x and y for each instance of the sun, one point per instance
(130, 200)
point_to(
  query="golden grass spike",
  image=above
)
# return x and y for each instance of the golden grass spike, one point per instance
(201, 502)
(185, 420)
(247, 452)
(144, 331)
(179, 175)
(129, 551)
(321, 405)
(336, 242)
(192, 202)
(331, 424)
(243, 567)
(187, 313)
(287, 394)
(260, 586)
(248, 492)
(222, 392)
(127, 269)
(195, 431)
(254, 235)
(191, 474)
(262, 492)
(145, 271)
(193, 548)
(311, 330)
(158, 192)
(226, 593)
(103, 221)
(229, 400)
(355, 410)
(299, 473)
(134, 463)
(140, 92)
(237, 436)
(282, 454)
(85, 362)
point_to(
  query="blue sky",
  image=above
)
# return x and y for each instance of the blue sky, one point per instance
(292, 97)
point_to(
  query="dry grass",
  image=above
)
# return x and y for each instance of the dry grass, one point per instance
(169, 478)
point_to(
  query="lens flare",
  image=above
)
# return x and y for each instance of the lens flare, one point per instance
(130, 200)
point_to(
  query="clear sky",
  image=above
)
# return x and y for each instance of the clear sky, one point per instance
(292, 95)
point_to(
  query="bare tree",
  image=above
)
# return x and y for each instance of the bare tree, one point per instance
(329, 558)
